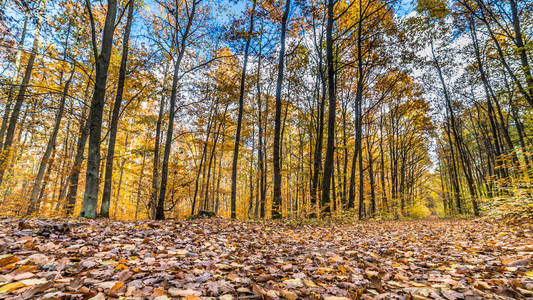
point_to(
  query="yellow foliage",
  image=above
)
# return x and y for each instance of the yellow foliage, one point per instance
(419, 211)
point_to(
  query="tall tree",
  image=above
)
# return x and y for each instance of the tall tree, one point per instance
(239, 115)
(106, 196)
(102, 59)
(45, 160)
(277, 201)
(332, 107)
(182, 42)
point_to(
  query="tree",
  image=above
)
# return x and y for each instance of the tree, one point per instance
(106, 197)
(14, 118)
(181, 44)
(332, 107)
(90, 198)
(239, 115)
(276, 201)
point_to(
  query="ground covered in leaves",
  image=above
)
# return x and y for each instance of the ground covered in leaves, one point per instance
(217, 258)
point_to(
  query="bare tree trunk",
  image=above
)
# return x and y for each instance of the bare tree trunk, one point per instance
(90, 198)
(217, 200)
(139, 186)
(160, 209)
(358, 152)
(123, 163)
(384, 203)
(259, 208)
(501, 55)
(317, 159)
(157, 145)
(450, 123)
(371, 178)
(332, 107)
(202, 158)
(277, 201)
(211, 157)
(345, 160)
(251, 176)
(239, 117)
(51, 144)
(106, 196)
(76, 166)
(522, 50)
(42, 188)
(68, 147)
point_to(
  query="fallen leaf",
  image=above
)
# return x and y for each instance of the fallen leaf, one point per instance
(175, 292)
(288, 295)
(11, 287)
(7, 260)
(293, 283)
(99, 296)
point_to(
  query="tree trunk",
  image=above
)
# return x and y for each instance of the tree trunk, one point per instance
(90, 198)
(251, 177)
(217, 200)
(317, 159)
(371, 178)
(522, 50)
(211, 157)
(155, 169)
(202, 158)
(239, 117)
(260, 206)
(123, 163)
(51, 144)
(276, 200)
(358, 124)
(332, 107)
(160, 209)
(106, 196)
(139, 186)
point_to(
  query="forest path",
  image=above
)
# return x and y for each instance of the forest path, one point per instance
(428, 259)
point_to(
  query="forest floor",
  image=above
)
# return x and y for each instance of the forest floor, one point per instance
(208, 258)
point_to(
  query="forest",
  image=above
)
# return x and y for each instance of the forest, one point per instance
(296, 149)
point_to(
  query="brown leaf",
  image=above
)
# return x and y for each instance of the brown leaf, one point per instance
(7, 260)
(288, 295)
(36, 289)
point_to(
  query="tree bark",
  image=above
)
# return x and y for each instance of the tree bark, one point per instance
(106, 196)
(157, 144)
(160, 209)
(277, 201)
(34, 196)
(522, 50)
(202, 158)
(139, 186)
(332, 107)
(122, 164)
(90, 198)
(260, 206)
(239, 117)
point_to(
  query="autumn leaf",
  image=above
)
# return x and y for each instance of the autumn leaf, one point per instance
(12, 286)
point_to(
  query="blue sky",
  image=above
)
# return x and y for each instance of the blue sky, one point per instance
(404, 7)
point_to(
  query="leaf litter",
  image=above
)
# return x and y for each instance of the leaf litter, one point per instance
(222, 259)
